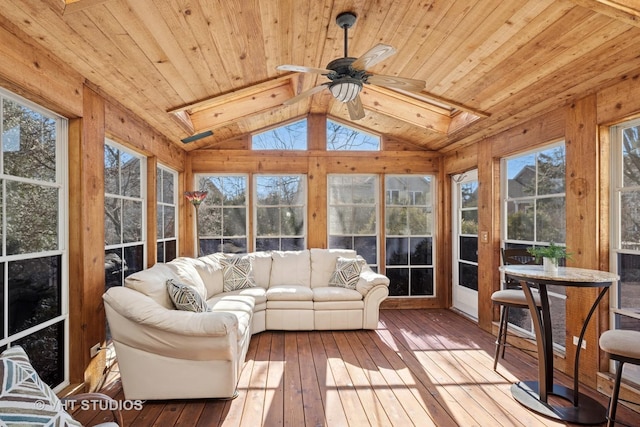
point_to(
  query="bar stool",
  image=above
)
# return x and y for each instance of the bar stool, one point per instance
(622, 346)
(511, 298)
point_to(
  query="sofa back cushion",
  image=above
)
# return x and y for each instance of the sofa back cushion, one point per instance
(185, 269)
(152, 282)
(261, 265)
(211, 273)
(290, 268)
(323, 264)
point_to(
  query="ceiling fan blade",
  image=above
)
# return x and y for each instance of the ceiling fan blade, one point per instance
(376, 54)
(303, 69)
(356, 110)
(412, 85)
(305, 94)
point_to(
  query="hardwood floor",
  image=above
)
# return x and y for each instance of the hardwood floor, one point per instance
(420, 367)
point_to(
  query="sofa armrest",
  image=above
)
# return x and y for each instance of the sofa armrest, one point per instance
(144, 311)
(370, 279)
(137, 321)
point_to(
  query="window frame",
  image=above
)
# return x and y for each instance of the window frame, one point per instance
(280, 126)
(256, 206)
(431, 204)
(161, 203)
(376, 204)
(61, 183)
(355, 128)
(616, 189)
(504, 241)
(248, 190)
(143, 201)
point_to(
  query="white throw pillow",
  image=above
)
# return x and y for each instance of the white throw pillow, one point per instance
(347, 272)
(290, 268)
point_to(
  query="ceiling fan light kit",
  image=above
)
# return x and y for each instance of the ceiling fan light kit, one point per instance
(346, 90)
(348, 75)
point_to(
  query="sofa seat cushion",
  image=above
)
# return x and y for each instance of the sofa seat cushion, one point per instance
(258, 294)
(334, 293)
(290, 268)
(290, 305)
(238, 305)
(289, 293)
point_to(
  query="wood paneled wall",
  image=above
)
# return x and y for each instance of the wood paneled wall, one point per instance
(34, 74)
(583, 125)
(316, 163)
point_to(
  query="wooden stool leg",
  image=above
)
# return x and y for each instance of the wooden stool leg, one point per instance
(613, 402)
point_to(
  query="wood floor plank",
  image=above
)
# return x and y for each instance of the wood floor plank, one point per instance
(255, 394)
(411, 401)
(420, 367)
(334, 411)
(311, 397)
(455, 408)
(293, 404)
(273, 412)
(356, 414)
(234, 408)
(377, 411)
(459, 374)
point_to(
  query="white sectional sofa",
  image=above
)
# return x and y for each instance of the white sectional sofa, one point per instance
(168, 353)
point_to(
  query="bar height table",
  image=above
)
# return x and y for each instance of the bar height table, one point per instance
(535, 394)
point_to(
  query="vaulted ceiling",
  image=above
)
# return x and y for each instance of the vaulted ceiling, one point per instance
(190, 66)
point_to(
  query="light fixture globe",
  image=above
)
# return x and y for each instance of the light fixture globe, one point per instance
(346, 89)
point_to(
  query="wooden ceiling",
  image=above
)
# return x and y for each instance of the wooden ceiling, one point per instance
(188, 66)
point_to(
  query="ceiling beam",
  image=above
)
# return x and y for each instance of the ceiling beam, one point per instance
(405, 108)
(627, 11)
(71, 6)
(224, 109)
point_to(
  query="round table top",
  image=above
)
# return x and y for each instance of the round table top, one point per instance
(564, 274)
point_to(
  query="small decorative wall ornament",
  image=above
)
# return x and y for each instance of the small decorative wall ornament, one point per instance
(196, 198)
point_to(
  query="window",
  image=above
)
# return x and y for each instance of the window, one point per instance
(292, 136)
(167, 226)
(353, 214)
(409, 235)
(534, 215)
(223, 214)
(280, 204)
(625, 231)
(124, 215)
(33, 248)
(344, 138)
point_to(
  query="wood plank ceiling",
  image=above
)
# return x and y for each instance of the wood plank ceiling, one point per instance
(187, 66)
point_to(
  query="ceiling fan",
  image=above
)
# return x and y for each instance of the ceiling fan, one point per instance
(348, 75)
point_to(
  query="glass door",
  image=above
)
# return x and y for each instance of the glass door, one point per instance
(464, 190)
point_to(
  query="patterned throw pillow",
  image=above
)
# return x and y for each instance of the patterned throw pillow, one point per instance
(347, 272)
(237, 273)
(24, 398)
(185, 297)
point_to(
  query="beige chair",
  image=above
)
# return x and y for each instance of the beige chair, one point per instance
(622, 346)
(513, 296)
